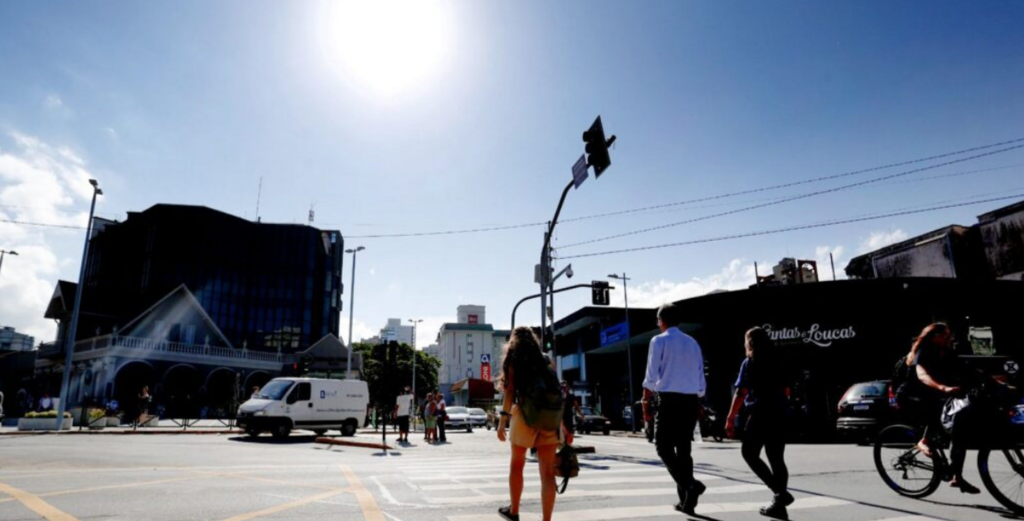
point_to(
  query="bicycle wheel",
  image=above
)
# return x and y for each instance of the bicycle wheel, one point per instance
(1002, 471)
(902, 467)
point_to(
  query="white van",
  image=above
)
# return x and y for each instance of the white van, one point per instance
(314, 404)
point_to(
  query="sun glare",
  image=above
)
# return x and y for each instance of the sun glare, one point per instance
(389, 46)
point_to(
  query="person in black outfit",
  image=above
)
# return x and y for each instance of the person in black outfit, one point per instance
(761, 395)
(935, 376)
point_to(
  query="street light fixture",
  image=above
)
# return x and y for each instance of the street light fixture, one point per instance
(351, 309)
(2, 252)
(69, 341)
(629, 342)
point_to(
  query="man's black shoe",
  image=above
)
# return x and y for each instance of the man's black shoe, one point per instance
(692, 497)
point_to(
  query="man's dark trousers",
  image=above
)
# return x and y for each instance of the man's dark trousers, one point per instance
(440, 429)
(675, 421)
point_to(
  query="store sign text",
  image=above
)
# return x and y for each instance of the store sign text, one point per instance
(814, 335)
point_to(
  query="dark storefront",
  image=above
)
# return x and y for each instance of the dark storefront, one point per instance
(834, 333)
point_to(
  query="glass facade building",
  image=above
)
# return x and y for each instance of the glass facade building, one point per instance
(266, 286)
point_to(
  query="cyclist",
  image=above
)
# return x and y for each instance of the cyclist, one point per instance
(934, 377)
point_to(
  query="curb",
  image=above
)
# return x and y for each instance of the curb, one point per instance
(347, 443)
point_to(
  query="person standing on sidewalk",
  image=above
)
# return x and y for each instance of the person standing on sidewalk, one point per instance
(761, 394)
(403, 410)
(442, 415)
(675, 371)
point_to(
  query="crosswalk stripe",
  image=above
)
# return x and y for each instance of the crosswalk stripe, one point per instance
(575, 482)
(634, 512)
(583, 472)
(909, 518)
(581, 493)
(504, 462)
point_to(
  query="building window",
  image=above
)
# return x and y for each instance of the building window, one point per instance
(190, 335)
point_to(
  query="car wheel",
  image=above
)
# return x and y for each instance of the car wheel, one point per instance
(348, 428)
(281, 430)
(607, 431)
(252, 433)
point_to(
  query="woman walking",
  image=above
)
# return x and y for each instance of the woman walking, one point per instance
(524, 362)
(761, 395)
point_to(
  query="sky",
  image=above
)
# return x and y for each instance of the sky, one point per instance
(405, 116)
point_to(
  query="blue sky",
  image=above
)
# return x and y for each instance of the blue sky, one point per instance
(195, 102)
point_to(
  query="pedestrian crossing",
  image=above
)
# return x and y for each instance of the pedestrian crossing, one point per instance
(464, 489)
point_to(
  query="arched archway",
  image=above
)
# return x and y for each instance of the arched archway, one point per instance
(222, 393)
(128, 383)
(180, 393)
(255, 379)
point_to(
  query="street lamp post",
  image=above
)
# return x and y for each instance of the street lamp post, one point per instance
(69, 341)
(629, 343)
(2, 252)
(414, 323)
(351, 309)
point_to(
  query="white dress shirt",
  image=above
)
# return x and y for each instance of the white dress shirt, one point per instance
(675, 364)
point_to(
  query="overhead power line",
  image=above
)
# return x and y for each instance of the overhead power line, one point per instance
(793, 228)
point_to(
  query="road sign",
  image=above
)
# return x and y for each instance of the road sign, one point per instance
(579, 171)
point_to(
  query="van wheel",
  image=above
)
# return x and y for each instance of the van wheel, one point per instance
(319, 432)
(281, 431)
(606, 431)
(252, 433)
(348, 428)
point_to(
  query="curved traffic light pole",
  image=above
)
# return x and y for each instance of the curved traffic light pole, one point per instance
(531, 297)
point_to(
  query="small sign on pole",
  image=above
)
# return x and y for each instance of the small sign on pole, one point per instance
(579, 172)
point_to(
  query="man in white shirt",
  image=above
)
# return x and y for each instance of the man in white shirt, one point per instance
(675, 371)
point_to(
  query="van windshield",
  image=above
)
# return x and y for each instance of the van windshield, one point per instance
(275, 390)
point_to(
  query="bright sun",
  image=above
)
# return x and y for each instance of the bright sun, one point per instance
(390, 46)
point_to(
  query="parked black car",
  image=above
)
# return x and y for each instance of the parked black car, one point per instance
(592, 422)
(864, 409)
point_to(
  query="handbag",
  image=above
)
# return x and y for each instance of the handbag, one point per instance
(953, 407)
(567, 465)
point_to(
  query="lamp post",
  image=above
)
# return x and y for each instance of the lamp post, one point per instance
(2, 252)
(351, 309)
(69, 341)
(629, 342)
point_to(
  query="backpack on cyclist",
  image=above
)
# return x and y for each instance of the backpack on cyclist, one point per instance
(542, 399)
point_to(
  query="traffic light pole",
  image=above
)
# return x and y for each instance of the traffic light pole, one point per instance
(531, 297)
(545, 263)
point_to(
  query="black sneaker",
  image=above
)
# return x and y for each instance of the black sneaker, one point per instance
(777, 509)
(692, 497)
(506, 512)
(785, 499)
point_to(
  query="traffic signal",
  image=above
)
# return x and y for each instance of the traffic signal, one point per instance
(600, 293)
(597, 148)
(306, 364)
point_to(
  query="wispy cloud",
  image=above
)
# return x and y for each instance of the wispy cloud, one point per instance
(53, 102)
(738, 274)
(882, 239)
(38, 183)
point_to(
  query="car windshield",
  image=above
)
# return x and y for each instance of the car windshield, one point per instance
(456, 410)
(867, 390)
(477, 412)
(587, 411)
(275, 390)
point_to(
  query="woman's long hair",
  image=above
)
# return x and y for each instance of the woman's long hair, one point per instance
(757, 339)
(522, 355)
(927, 335)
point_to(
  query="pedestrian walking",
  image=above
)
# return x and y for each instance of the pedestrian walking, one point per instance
(761, 399)
(525, 368)
(144, 401)
(255, 393)
(675, 371)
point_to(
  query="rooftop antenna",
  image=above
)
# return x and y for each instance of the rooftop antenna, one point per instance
(259, 192)
(311, 213)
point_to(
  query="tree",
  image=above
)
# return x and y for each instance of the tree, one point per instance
(385, 385)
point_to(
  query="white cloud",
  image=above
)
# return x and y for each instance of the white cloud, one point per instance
(46, 184)
(879, 240)
(111, 132)
(360, 330)
(738, 274)
(821, 255)
(53, 102)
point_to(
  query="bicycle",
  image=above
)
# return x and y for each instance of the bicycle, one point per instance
(910, 473)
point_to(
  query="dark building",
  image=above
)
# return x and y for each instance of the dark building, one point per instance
(991, 249)
(833, 334)
(200, 306)
(264, 285)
